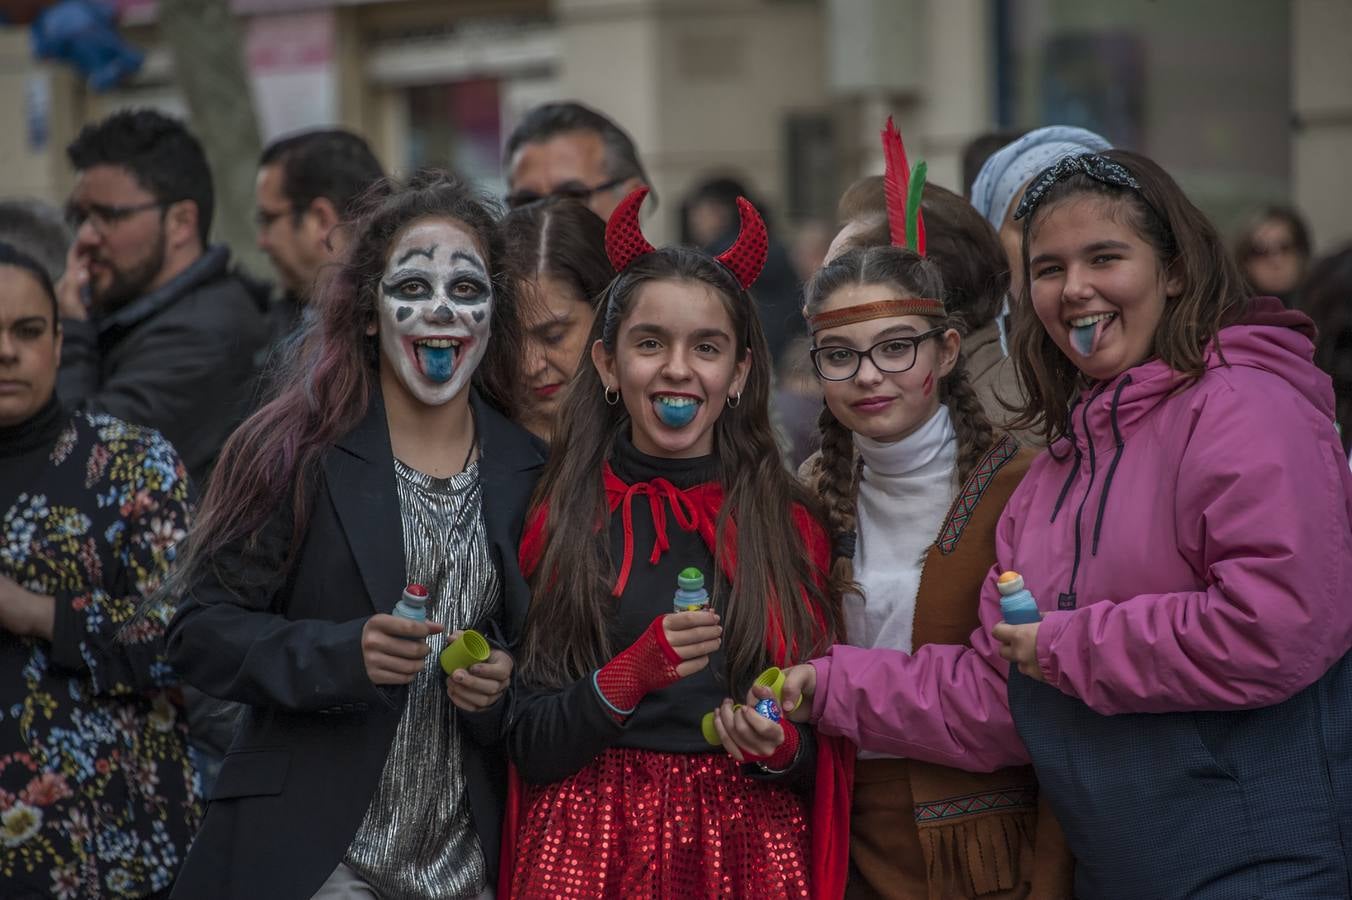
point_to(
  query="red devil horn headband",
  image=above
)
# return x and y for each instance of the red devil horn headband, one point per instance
(744, 259)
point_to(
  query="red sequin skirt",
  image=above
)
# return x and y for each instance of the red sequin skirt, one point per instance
(637, 824)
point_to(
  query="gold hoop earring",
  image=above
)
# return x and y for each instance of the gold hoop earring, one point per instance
(608, 395)
(734, 401)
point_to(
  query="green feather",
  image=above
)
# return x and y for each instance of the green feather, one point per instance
(917, 186)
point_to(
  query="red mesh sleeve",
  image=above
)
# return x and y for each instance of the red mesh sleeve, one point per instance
(647, 665)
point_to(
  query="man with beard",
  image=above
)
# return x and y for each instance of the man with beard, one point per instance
(159, 330)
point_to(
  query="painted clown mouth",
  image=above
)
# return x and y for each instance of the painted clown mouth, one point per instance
(437, 357)
(676, 410)
(1086, 332)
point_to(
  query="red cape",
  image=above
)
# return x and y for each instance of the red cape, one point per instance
(697, 509)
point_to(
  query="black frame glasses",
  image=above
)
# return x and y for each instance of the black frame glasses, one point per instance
(518, 199)
(914, 340)
(105, 216)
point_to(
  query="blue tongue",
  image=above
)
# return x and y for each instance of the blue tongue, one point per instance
(438, 363)
(674, 416)
(1083, 338)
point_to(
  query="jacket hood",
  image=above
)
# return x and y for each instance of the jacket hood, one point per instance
(1270, 338)
(1275, 339)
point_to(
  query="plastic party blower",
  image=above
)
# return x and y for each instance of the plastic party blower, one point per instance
(1017, 605)
(413, 605)
(690, 592)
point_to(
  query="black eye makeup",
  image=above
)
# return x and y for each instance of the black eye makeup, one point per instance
(467, 289)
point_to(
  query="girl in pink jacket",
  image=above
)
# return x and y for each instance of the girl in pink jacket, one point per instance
(1186, 699)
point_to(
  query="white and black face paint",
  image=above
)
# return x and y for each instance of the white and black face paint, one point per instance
(435, 310)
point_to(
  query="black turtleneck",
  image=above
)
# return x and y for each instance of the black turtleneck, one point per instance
(667, 720)
(24, 448)
(560, 731)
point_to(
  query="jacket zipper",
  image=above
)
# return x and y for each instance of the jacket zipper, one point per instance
(1067, 599)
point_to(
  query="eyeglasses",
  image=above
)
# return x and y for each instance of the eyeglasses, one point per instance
(104, 216)
(581, 193)
(1262, 251)
(264, 218)
(892, 356)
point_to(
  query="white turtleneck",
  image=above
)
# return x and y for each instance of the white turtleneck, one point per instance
(905, 490)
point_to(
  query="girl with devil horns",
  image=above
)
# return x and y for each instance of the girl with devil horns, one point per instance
(904, 437)
(665, 442)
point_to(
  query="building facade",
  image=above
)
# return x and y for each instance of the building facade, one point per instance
(1245, 101)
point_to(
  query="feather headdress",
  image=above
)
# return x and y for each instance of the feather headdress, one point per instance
(904, 187)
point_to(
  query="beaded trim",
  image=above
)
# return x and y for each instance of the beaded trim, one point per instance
(878, 309)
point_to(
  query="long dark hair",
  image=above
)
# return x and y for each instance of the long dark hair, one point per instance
(568, 632)
(1213, 293)
(560, 238)
(327, 379)
(909, 275)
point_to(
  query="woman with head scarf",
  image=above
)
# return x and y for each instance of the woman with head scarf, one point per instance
(1000, 183)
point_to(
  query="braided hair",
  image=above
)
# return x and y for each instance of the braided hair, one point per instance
(836, 470)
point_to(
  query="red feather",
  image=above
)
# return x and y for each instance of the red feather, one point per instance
(896, 181)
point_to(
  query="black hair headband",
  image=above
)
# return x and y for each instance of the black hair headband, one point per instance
(1099, 168)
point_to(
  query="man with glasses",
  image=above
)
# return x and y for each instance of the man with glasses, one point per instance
(306, 186)
(158, 330)
(569, 150)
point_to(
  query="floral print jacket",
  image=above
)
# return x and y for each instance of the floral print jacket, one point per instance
(97, 797)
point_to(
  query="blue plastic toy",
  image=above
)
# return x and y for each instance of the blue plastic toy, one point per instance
(1017, 605)
(690, 592)
(413, 605)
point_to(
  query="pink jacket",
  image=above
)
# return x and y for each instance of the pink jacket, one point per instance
(1199, 543)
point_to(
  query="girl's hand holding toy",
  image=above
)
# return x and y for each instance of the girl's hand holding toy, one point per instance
(393, 648)
(1018, 644)
(672, 647)
(755, 732)
(693, 636)
(479, 686)
(800, 683)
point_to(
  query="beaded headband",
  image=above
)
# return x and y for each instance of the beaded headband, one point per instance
(1099, 168)
(877, 309)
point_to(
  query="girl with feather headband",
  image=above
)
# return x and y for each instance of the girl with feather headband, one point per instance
(664, 459)
(913, 477)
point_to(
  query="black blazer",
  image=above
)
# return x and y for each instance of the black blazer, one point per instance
(311, 746)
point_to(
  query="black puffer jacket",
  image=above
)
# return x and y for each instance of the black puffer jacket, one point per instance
(179, 359)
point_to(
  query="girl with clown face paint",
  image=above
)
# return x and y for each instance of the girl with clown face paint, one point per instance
(385, 458)
(435, 310)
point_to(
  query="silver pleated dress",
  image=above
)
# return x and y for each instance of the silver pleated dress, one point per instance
(417, 840)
